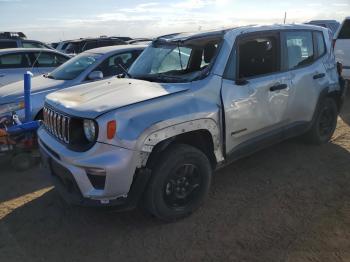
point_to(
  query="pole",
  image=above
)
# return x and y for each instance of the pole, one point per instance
(27, 93)
(285, 17)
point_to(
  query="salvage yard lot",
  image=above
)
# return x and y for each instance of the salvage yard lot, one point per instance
(290, 202)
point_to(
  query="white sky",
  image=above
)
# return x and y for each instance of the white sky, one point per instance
(57, 20)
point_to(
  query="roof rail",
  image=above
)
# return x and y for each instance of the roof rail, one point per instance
(11, 35)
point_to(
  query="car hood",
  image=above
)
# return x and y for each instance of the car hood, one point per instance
(14, 92)
(93, 99)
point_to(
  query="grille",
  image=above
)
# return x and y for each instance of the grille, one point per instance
(57, 124)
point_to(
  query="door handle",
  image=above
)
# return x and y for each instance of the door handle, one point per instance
(318, 76)
(2, 75)
(278, 87)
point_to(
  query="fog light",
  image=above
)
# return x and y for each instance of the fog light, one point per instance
(95, 171)
(97, 177)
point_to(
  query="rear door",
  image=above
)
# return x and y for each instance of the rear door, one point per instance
(13, 66)
(304, 54)
(255, 94)
(342, 47)
(45, 62)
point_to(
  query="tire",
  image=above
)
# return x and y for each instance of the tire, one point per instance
(324, 124)
(179, 183)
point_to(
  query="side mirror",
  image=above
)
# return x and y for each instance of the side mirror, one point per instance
(241, 82)
(95, 75)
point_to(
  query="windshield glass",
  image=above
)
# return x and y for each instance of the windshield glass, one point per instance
(74, 67)
(172, 62)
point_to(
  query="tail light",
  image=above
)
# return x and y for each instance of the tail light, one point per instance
(340, 68)
(333, 43)
(111, 129)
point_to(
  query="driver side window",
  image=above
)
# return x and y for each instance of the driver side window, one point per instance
(111, 66)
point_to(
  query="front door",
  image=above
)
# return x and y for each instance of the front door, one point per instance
(255, 93)
(12, 67)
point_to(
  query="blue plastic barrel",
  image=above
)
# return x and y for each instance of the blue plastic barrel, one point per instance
(27, 93)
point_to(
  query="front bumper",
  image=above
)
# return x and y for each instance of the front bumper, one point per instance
(68, 169)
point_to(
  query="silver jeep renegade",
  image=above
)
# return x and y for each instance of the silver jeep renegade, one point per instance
(190, 104)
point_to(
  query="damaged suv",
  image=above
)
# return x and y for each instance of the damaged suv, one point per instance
(190, 104)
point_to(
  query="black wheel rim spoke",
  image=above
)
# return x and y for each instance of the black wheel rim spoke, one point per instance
(182, 186)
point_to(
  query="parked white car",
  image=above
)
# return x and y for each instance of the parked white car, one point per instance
(15, 62)
(332, 25)
(342, 47)
(92, 65)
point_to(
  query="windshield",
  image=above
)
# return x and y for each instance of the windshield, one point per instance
(74, 67)
(172, 62)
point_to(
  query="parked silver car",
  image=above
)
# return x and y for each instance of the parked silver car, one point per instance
(196, 103)
(92, 65)
(15, 62)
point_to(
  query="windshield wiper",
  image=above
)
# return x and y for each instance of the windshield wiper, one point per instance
(180, 57)
(159, 77)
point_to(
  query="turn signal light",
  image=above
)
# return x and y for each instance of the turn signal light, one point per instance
(111, 129)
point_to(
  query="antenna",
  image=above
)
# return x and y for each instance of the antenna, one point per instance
(285, 17)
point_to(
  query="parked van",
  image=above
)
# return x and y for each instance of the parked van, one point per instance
(342, 47)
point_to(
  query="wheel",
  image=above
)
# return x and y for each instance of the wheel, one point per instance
(179, 183)
(325, 122)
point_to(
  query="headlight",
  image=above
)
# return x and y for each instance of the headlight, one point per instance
(11, 107)
(90, 130)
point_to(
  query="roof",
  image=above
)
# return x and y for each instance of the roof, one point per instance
(183, 37)
(95, 38)
(114, 48)
(323, 21)
(21, 49)
(280, 27)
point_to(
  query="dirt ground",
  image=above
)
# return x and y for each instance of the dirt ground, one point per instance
(289, 203)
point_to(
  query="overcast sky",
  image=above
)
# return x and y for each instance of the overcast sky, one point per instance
(65, 19)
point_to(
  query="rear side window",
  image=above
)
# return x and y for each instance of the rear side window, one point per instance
(345, 30)
(105, 43)
(8, 44)
(90, 45)
(14, 61)
(32, 45)
(320, 46)
(300, 50)
(44, 59)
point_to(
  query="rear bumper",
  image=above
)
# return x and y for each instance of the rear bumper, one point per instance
(121, 185)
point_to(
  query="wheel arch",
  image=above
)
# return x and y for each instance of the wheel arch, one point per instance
(39, 115)
(202, 134)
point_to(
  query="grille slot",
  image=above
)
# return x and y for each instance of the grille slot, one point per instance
(57, 124)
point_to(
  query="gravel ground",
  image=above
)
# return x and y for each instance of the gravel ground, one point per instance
(290, 202)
